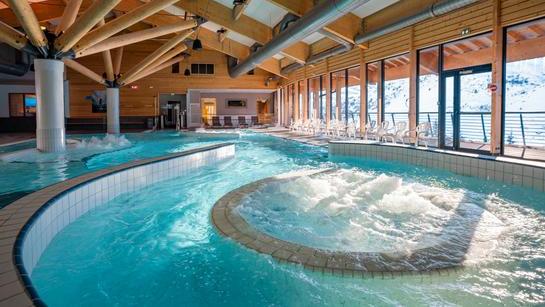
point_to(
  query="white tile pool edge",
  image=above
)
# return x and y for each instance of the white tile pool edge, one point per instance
(467, 164)
(30, 223)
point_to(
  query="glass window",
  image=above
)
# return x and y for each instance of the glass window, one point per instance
(314, 94)
(524, 123)
(428, 91)
(302, 90)
(354, 93)
(373, 79)
(396, 89)
(473, 51)
(338, 95)
(291, 101)
(22, 105)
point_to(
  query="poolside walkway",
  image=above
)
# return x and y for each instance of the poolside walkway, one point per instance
(15, 137)
(284, 133)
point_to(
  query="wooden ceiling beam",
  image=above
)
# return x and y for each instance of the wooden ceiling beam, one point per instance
(12, 37)
(539, 31)
(166, 64)
(249, 27)
(68, 16)
(86, 22)
(120, 23)
(84, 71)
(135, 37)
(159, 62)
(346, 26)
(28, 21)
(209, 38)
(238, 9)
(117, 57)
(155, 55)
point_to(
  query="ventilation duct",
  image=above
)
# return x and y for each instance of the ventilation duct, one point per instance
(344, 47)
(20, 66)
(317, 18)
(434, 10)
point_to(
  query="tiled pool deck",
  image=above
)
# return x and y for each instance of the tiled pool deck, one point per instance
(230, 224)
(30, 223)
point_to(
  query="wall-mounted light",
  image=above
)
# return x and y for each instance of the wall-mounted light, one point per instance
(465, 31)
(134, 87)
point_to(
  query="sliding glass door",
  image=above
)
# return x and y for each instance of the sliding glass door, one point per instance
(467, 108)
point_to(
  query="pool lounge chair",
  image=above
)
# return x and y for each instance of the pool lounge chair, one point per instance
(227, 122)
(255, 121)
(242, 122)
(216, 122)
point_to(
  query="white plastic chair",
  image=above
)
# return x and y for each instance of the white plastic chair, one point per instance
(382, 130)
(399, 133)
(370, 129)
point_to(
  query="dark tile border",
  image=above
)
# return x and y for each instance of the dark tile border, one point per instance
(17, 218)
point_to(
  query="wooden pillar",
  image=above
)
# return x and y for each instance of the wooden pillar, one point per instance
(302, 97)
(363, 91)
(296, 101)
(327, 86)
(316, 102)
(413, 83)
(497, 78)
(338, 96)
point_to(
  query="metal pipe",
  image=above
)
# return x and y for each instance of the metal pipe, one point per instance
(434, 10)
(344, 47)
(318, 17)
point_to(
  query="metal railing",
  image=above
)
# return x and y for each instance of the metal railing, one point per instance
(525, 129)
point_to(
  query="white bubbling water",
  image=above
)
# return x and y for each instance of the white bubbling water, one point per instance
(354, 210)
(76, 150)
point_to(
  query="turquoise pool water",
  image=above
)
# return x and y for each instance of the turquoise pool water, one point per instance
(157, 247)
(28, 172)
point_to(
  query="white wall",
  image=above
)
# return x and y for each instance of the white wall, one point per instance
(251, 98)
(6, 89)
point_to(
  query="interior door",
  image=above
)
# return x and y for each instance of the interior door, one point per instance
(467, 108)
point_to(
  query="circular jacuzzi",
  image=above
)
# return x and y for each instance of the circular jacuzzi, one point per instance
(355, 221)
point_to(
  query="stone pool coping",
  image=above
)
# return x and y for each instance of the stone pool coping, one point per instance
(230, 224)
(17, 218)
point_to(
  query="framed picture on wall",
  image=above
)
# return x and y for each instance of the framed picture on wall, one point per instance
(236, 103)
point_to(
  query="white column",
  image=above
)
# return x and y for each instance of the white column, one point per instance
(112, 109)
(50, 134)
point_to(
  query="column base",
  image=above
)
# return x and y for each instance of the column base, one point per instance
(51, 140)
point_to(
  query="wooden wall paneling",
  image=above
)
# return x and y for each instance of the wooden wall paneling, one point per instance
(363, 92)
(139, 101)
(413, 84)
(497, 77)
(516, 11)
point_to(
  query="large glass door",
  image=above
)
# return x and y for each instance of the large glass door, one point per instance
(467, 105)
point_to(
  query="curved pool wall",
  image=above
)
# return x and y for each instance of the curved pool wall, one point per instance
(29, 224)
(528, 174)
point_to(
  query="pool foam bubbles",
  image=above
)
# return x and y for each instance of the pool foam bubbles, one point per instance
(76, 150)
(359, 211)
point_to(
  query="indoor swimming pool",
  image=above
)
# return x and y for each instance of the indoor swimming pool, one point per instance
(158, 246)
